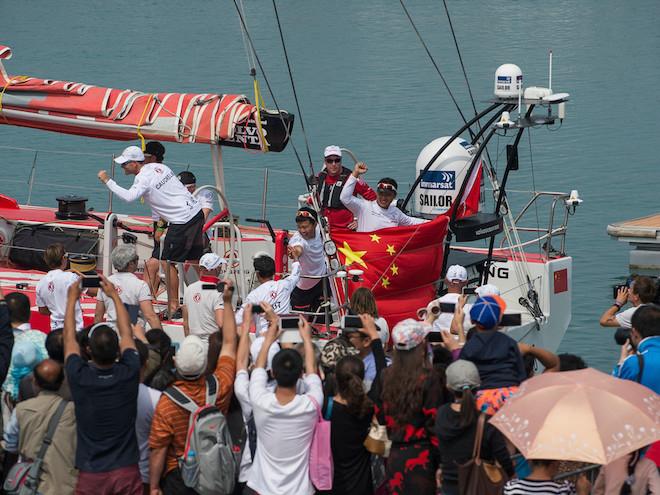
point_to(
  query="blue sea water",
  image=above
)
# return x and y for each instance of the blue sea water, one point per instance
(364, 82)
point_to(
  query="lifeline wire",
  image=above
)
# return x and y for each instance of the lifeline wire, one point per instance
(270, 90)
(293, 87)
(451, 95)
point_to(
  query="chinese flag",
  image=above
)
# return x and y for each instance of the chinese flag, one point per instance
(401, 265)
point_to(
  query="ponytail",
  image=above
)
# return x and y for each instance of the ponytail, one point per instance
(468, 407)
(349, 374)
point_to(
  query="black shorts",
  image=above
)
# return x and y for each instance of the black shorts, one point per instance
(155, 252)
(309, 300)
(184, 241)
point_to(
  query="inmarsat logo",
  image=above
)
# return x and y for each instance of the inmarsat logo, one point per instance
(439, 179)
(197, 297)
(51, 287)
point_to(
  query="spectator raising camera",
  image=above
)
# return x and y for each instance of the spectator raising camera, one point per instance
(641, 290)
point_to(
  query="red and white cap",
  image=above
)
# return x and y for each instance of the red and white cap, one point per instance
(332, 150)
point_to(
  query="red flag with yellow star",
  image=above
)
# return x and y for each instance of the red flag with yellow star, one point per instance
(400, 264)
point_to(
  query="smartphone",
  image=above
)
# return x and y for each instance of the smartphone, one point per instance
(289, 322)
(511, 320)
(351, 321)
(469, 291)
(615, 291)
(434, 337)
(257, 310)
(91, 281)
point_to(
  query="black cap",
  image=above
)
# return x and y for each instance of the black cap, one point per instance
(187, 178)
(154, 148)
(307, 213)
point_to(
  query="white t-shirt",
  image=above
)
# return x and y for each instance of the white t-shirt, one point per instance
(624, 318)
(131, 291)
(146, 404)
(205, 198)
(444, 319)
(162, 191)
(276, 293)
(312, 260)
(369, 215)
(284, 437)
(52, 293)
(242, 392)
(201, 305)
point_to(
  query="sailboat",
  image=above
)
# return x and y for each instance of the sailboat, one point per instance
(447, 190)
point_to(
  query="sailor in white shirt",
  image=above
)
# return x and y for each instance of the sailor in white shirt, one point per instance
(276, 293)
(53, 287)
(306, 246)
(133, 292)
(202, 302)
(378, 214)
(170, 201)
(205, 197)
(455, 279)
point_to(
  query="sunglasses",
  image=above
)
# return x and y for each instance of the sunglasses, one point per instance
(382, 186)
(305, 214)
(333, 160)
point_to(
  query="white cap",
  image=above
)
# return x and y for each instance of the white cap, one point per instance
(332, 150)
(256, 346)
(211, 261)
(487, 290)
(130, 154)
(190, 359)
(456, 272)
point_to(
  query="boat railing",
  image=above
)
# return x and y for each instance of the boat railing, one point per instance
(542, 234)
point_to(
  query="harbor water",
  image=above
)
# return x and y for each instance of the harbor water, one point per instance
(364, 82)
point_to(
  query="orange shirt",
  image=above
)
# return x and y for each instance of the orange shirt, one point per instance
(170, 422)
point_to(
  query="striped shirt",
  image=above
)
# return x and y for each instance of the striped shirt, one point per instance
(170, 423)
(538, 487)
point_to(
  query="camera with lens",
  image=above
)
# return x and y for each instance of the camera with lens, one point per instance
(621, 335)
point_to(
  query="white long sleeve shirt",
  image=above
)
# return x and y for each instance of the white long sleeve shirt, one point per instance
(312, 260)
(276, 293)
(369, 215)
(162, 191)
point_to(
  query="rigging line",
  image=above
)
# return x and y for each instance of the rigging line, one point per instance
(444, 81)
(460, 59)
(536, 207)
(293, 87)
(248, 53)
(272, 95)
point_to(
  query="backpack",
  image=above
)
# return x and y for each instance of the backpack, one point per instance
(208, 464)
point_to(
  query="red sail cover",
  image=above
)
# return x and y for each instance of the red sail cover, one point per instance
(83, 109)
(400, 264)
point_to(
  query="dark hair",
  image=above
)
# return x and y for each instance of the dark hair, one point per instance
(646, 320)
(468, 407)
(104, 345)
(645, 288)
(83, 342)
(542, 462)
(19, 307)
(287, 367)
(158, 339)
(215, 346)
(571, 362)
(363, 301)
(264, 266)
(187, 178)
(143, 351)
(43, 382)
(403, 383)
(55, 345)
(155, 149)
(349, 373)
(53, 255)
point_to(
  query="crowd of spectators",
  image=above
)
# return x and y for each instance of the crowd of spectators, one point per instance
(116, 391)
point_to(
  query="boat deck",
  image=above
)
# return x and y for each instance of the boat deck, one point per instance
(642, 230)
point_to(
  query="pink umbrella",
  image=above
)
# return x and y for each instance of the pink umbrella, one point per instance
(580, 415)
